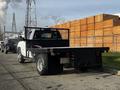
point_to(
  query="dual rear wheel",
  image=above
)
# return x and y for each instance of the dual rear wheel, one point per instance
(47, 64)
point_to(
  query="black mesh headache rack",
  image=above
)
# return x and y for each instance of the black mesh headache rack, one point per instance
(27, 29)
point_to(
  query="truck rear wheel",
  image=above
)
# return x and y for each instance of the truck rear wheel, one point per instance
(5, 51)
(55, 66)
(20, 57)
(2, 51)
(47, 64)
(41, 64)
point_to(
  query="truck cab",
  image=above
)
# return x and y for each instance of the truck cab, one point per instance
(35, 37)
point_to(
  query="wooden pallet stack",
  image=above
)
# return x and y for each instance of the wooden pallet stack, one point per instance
(97, 31)
(91, 31)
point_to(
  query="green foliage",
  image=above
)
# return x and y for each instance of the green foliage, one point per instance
(111, 60)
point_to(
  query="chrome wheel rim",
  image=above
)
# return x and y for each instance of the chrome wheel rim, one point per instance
(40, 64)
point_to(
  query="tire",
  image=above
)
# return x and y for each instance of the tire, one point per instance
(5, 51)
(42, 64)
(2, 51)
(55, 66)
(47, 64)
(20, 57)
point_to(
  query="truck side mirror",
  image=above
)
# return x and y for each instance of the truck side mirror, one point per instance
(21, 38)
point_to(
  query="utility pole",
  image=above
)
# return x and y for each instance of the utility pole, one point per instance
(14, 29)
(27, 13)
(4, 31)
(1, 36)
(31, 18)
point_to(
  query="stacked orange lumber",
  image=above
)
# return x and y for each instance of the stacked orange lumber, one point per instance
(101, 30)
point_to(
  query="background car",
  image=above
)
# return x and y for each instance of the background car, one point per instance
(10, 45)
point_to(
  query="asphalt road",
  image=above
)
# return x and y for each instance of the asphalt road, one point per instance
(15, 76)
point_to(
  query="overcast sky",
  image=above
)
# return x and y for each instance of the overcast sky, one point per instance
(68, 9)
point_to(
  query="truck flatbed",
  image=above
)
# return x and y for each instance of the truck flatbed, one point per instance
(107, 48)
(81, 57)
